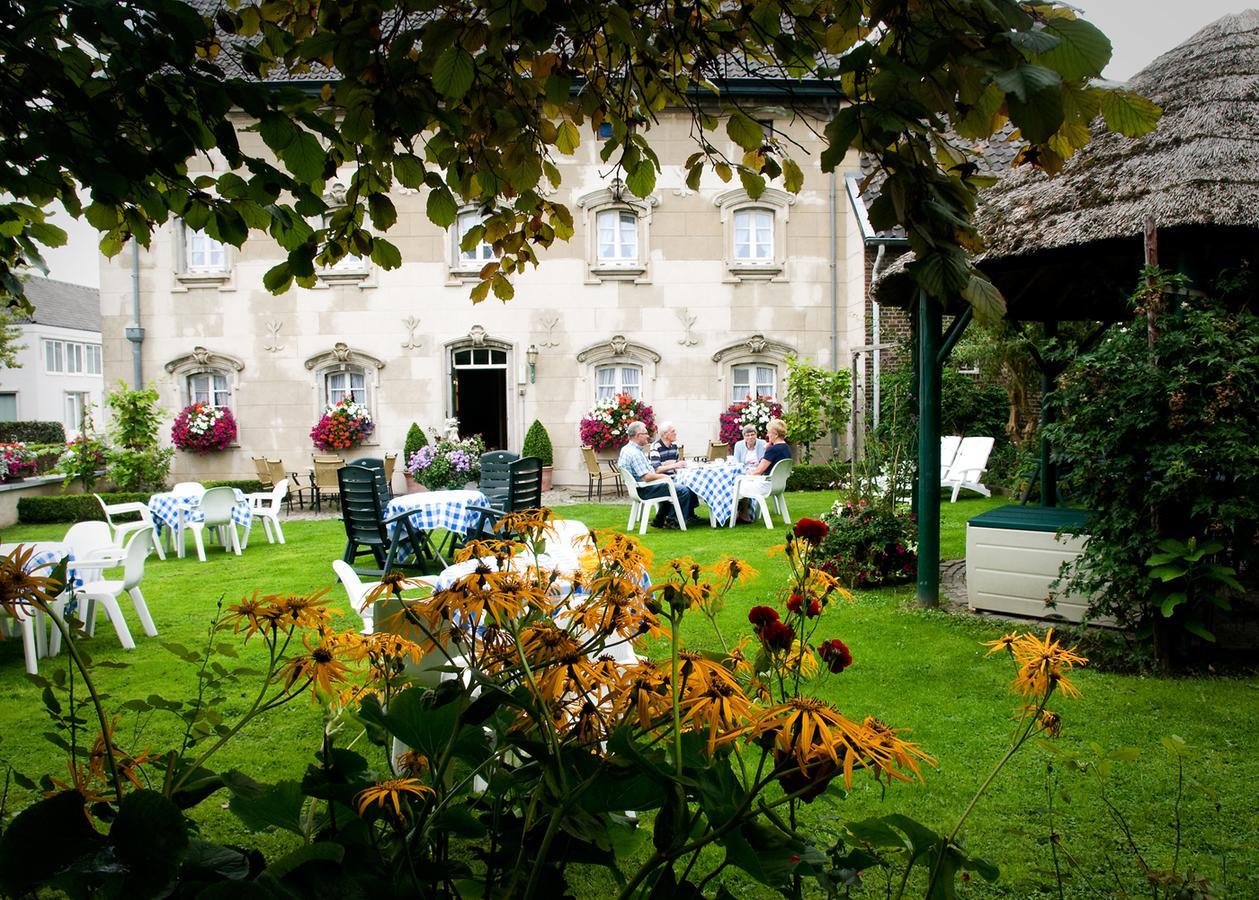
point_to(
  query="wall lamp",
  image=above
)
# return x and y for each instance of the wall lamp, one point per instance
(531, 355)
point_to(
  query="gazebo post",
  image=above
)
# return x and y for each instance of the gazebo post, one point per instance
(929, 321)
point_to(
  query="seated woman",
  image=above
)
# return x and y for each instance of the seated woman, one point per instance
(776, 449)
(748, 452)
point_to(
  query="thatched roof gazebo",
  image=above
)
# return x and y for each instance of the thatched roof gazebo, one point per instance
(1072, 247)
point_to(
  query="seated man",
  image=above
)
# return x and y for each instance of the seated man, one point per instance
(665, 454)
(634, 461)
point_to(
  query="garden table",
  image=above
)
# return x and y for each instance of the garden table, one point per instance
(450, 510)
(171, 512)
(46, 556)
(714, 484)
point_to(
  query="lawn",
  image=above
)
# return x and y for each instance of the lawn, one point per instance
(921, 670)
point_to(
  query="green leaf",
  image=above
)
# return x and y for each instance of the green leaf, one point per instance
(1193, 626)
(278, 131)
(150, 839)
(694, 175)
(984, 296)
(382, 211)
(454, 72)
(752, 182)
(793, 178)
(323, 851)
(1170, 602)
(263, 806)
(29, 853)
(304, 157)
(1082, 51)
(441, 208)
(385, 254)
(278, 278)
(567, 138)
(1039, 116)
(744, 130)
(1129, 113)
(409, 170)
(642, 181)
(1169, 572)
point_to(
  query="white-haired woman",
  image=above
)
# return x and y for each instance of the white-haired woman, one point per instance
(776, 449)
(748, 452)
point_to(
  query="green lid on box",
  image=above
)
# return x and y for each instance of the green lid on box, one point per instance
(1033, 518)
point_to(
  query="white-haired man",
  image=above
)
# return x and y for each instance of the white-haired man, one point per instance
(635, 462)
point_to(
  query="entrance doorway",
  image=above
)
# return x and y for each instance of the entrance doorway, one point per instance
(478, 387)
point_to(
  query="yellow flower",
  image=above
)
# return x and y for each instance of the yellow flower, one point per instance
(800, 657)
(22, 591)
(1005, 642)
(719, 706)
(733, 570)
(319, 666)
(1042, 666)
(698, 672)
(412, 763)
(736, 658)
(887, 753)
(642, 694)
(395, 792)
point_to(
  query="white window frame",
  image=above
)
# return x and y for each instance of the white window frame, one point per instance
(735, 207)
(473, 260)
(348, 373)
(78, 401)
(216, 274)
(62, 357)
(622, 246)
(213, 392)
(608, 201)
(618, 383)
(750, 385)
(753, 236)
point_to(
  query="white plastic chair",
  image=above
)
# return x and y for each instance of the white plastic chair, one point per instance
(265, 505)
(968, 467)
(357, 589)
(106, 593)
(93, 547)
(122, 529)
(949, 445)
(189, 489)
(640, 505)
(217, 505)
(758, 488)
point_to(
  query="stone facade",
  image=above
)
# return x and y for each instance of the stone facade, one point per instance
(683, 311)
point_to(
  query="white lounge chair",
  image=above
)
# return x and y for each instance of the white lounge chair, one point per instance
(968, 467)
(265, 505)
(641, 506)
(106, 593)
(948, 452)
(771, 486)
(122, 529)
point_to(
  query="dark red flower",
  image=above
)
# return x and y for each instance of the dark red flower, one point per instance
(814, 610)
(794, 602)
(835, 655)
(811, 782)
(760, 616)
(811, 531)
(777, 636)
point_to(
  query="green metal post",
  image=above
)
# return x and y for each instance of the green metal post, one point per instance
(928, 350)
(914, 405)
(1048, 381)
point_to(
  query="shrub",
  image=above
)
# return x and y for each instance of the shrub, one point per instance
(538, 443)
(202, 428)
(753, 411)
(70, 507)
(345, 424)
(247, 485)
(815, 478)
(868, 545)
(415, 440)
(32, 433)
(603, 427)
(137, 461)
(1161, 443)
(819, 400)
(81, 459)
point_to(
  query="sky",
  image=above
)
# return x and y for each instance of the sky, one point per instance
(1139, 30)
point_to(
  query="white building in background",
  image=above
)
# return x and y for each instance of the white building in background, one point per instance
(60, 370)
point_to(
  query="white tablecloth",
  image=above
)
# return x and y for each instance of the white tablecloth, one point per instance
(438, 509)
(714, 484)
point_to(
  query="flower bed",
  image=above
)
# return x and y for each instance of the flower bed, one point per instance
(202, 428)
(753, 411)
(447, 465)
(868, 545)
(603, 427)
(344, 425)
(16, 461)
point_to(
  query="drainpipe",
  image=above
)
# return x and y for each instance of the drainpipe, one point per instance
(874, 334)
(834, 212)
(134, 332)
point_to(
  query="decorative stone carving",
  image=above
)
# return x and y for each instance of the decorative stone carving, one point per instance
(410, 323)
(342, 355)
(477, 335)
(207, 359)
(619, 347)
(688, 322)
(273, 344)
(549, 323)
(618, 344)
(341, 352)
(755, 345)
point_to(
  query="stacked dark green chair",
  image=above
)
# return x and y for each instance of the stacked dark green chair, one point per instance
(524, 489)
(377, 466)
(496, 476)
(402, 547)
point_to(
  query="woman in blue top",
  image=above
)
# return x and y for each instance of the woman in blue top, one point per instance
(748, 452)
(776, 449)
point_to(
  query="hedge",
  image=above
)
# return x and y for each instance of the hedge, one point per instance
(32, 432)
(813, 478)
(84, 508)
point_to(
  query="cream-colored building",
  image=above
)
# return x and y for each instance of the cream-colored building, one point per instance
(687, 298)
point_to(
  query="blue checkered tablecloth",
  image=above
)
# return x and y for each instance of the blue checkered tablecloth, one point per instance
(166, 509)
(47, 555)
(714, 484)
(438, 509)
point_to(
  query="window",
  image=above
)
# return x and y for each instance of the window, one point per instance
(209, 387)
(618, 236)
(8, 407)
(613, 380)
(203, 253)
(72, 358)
(753, 381)
(480, 358)
(754, 236)
(478, 255)
(76, 403)
(342, 385)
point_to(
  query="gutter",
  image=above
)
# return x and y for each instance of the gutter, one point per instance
(833, 203)
(134, 332)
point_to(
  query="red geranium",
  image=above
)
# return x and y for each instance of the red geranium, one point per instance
(812, 531)
(760, 616)
(777, 636)
(835, 654)
(795, 603)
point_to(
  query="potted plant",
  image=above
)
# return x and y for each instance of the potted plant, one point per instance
(448, 464)
(16, 462)
(415, 440)
(538, 443)
(344, 425)
(603, 426)
(202, 428)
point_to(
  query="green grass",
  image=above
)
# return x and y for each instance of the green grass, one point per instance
(922, 670)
